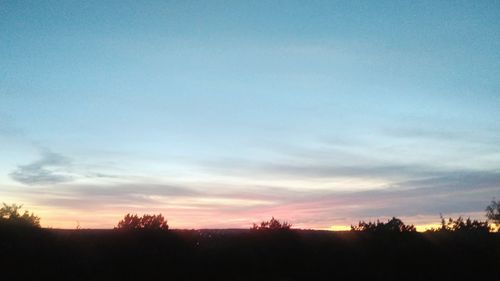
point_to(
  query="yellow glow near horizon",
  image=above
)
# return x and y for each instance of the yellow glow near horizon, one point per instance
(340, 228)
(425, 227)
(109, 220)
(420, 227)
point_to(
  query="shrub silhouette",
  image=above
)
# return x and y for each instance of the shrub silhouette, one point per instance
(154, 222)
(463, 225)
(493, 213)
(130, 222)
(9, 214)
(272, 224)
(392, 225)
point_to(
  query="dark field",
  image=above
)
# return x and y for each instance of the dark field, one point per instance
(245, 255)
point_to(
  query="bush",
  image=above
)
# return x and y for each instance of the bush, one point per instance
(392, 225)
(130, 222)
(272, 224)
(9, 214)
(462, 225)
(493, 213)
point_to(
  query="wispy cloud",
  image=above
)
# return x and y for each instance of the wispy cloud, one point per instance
(221, 204)
(308, 188)
(322, 170)
(51, 168)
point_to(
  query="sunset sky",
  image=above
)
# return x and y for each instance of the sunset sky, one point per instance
(218, 114)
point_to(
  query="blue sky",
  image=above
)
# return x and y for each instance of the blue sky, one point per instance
(221, 113)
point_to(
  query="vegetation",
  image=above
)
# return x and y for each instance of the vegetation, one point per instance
(10, 215)
(151, 222)
(246, 255)
(394, 225)
(493, 213)
(272, 224)
(372, 251)
(463, 225)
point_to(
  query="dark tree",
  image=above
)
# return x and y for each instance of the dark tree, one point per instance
(392, 225)
(463, 225)
(272, 224)
(154, 222)
(493, 212)
(9, 214)
(130, 222)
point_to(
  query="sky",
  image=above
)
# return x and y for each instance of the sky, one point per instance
(218, 114)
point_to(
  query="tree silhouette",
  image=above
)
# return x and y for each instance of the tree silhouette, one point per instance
(272, 224)
(130, 222)
(10, 214)
(462, 225)
(154, 222)
(392, 225)
(493, 213)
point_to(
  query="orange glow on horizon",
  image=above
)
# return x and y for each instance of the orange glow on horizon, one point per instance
(425, 227)
(200, 217)
(173, 225)
(420, 227)
(339, 228)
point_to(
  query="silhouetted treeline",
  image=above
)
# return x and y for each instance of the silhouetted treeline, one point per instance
(463, 225)
(36, 254)
(141, 248)
(393, 225)
(151, 222)
(272, 225)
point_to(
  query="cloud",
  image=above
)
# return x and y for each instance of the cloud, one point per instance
(51, 168)
(214, 204)
(487, 139)
(307, 190)
(310, 170)
(450, 192)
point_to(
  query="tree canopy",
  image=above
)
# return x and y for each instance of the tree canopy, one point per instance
(130, 222)
(9, 214)
(493, 212)
(463, 225)
(392, 225)
(272, 224)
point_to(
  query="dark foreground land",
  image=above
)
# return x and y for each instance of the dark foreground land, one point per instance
(44, 254)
